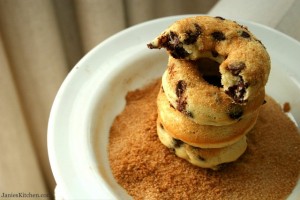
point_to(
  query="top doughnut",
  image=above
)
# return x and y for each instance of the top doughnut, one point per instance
(244, 61)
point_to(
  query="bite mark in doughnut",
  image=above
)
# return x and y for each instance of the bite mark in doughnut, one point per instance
(173, 44)
(238, 91)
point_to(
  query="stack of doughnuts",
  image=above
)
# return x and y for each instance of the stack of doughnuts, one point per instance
(212, 89)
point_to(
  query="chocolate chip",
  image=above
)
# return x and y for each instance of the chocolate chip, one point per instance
(173, 39)
(180, 88)
(264, 102)
(151, 46)
(172, 106)
(221, 18)
(197, 149)
(238, 91)
(181, 102)
(219, 36)
(235, 111)
(189, 114)
(175, 46)
(214, 53)
(179, 53)
(201, 158)
(192, 36)
(244, 34)
(181, 105)
(177, 143)
(236, 67)
(161, 126)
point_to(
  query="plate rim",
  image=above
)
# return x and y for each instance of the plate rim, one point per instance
(55, 112)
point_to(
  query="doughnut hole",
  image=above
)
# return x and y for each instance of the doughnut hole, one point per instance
(209, 70)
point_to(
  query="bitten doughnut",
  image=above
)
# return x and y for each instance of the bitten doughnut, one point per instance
(202, 157)
(244, 61)
(179, 126)
(186, 85)
(212, 89)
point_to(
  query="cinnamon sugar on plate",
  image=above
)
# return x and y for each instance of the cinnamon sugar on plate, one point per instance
(146, 169)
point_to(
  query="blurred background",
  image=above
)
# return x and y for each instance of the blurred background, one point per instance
(41, 41)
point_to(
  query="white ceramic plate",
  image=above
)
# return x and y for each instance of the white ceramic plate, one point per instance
(93, 94)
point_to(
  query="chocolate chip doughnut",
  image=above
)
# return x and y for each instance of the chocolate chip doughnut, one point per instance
(212, 90)
(244, 63)
(202, 157)
(192, 88)
(181, 127)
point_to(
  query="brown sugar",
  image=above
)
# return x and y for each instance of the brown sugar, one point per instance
(286, 107)
(269, 169)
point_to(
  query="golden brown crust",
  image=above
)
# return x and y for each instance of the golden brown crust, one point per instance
(204, 103)
(181, 127)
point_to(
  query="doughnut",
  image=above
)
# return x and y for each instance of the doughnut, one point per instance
(244, 63)
(212, 89)
(185, 85)
(202, 157)
(179, 126)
